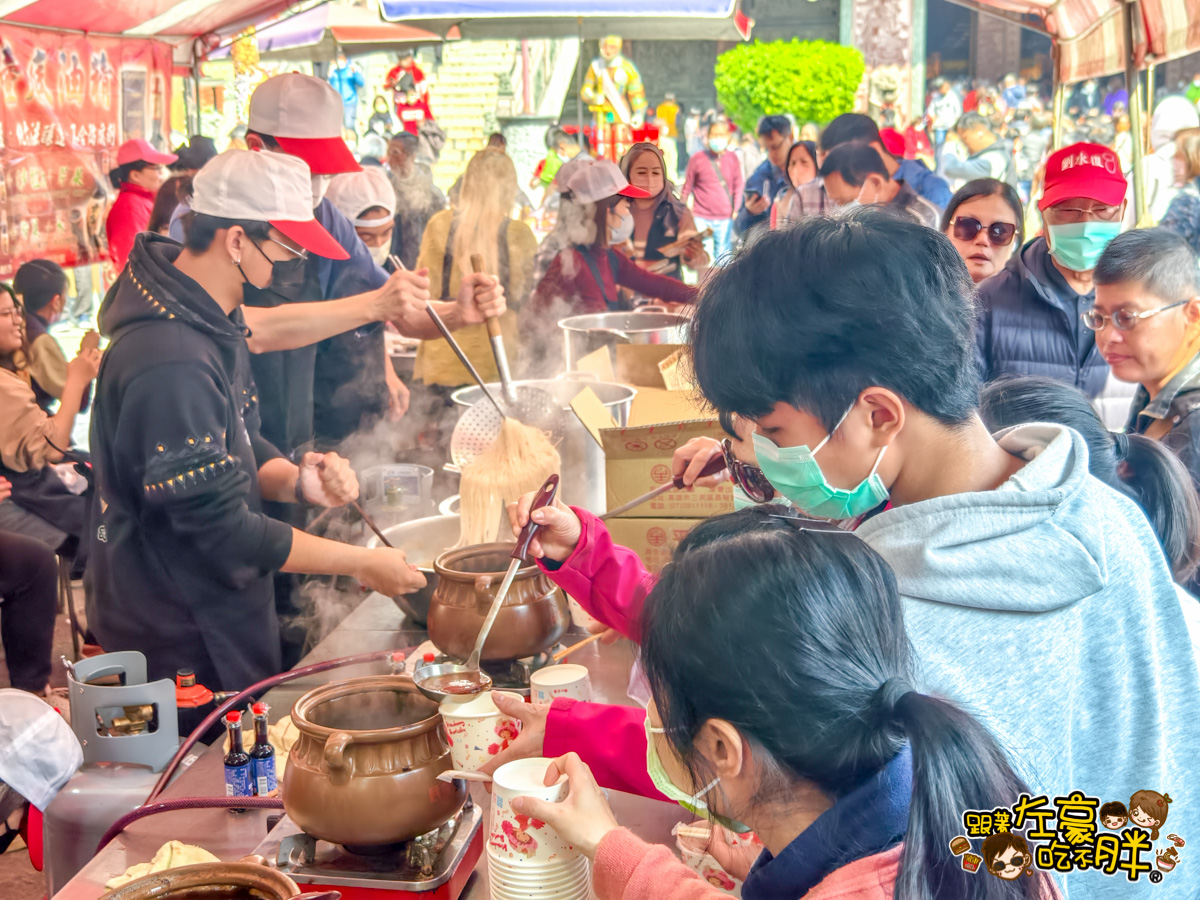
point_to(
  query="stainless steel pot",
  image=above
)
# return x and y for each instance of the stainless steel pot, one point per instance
(423, 540)
(585, 334)
(582, 458)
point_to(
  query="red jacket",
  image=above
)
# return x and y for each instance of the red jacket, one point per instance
(571, 281)
(129, 216)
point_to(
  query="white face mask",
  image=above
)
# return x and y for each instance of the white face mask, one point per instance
(320, 184)
(622, 232)
(380, 254)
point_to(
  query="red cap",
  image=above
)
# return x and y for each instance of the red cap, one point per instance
(893, 141)
(140, 150)
(233, 716)
(1091, 171)
(259, 709)
(429, 657)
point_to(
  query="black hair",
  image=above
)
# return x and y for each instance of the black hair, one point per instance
(1143, 469)
(38, 282)
(830, 698)
(409, 141)
(1158, 259)
(810, 147)
(854, 162)
(971, 120)
(120, 174)
(200, 230)
(780, 125)
(987, 187)
(175, 190)
(849, 127)
(814, 314)
(1113, 808)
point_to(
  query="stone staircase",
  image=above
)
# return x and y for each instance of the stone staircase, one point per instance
(463, 95)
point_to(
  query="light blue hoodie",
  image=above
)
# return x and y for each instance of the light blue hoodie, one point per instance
(1046, 608)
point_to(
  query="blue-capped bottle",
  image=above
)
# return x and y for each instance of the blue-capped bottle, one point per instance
(262, 756)
(238, 782)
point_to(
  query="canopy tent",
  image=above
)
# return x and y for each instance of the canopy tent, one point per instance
(1089, 35)
(589, 19)
(318, 33)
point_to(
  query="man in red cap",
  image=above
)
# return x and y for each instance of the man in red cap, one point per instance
(1029, 320)
(138, 176)
(183, 555)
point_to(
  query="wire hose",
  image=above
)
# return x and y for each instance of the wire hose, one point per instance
(150, 809)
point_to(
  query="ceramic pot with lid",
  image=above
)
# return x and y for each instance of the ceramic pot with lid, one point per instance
(364, 770)
(210, 881)
(533, 618)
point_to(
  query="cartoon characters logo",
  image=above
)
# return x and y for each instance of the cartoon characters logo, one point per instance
(1006, 855)
(507, 730)
(1149, 810)
(519, 838)
(1113, 815)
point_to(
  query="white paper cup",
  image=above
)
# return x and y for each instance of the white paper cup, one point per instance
(565, 680)
(519, 840)
(575, 883)
(516, 878)
(476, 729)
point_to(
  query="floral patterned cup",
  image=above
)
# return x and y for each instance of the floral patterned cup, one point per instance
(518, 840)
(477, 730)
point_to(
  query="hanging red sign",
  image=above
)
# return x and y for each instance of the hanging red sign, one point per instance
(69, 102)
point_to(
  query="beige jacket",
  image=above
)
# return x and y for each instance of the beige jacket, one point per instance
(24, 426)
(48, 365)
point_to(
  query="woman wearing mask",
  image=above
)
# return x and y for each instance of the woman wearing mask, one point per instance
(584, 277)
(183, 557)
(985, 222)
(381, 121)
(659, 218)
(801, 168)
(855, 791)
(1183, 215)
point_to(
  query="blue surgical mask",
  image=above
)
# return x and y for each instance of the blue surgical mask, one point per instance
(1078, 246)
(794, 472)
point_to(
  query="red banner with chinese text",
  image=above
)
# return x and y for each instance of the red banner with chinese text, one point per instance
(69, 101)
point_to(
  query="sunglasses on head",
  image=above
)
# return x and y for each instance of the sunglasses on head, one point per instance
(999, 234)
(749, 478)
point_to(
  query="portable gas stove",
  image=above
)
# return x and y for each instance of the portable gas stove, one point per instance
(435, 866)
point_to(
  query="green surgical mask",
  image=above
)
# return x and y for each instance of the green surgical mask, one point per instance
(691, 802)
(1078, 246)
(794, 472)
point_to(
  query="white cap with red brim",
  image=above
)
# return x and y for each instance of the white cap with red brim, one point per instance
(304, 114)
(141, 150)
(597, 179)
(264, 187)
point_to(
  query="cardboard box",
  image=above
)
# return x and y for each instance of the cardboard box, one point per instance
(654, 540)
(638, 459)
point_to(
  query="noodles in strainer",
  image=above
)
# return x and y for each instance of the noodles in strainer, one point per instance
(518, 462)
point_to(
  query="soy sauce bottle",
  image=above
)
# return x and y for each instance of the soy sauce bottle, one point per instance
(262, 756)
(238, 781)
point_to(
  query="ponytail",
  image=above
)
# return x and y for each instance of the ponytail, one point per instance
(957, 766)
(1154, 477)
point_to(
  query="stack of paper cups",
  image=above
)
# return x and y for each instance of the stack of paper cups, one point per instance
(476, 729)
(567, 680)
(527, 859)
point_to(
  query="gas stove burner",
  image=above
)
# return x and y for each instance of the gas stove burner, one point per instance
(440, 861)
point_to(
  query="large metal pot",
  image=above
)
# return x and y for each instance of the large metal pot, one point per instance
(534, 615)
(210, 881)
(582, 458)
(423, 540)
(585, 334)
(364, 770)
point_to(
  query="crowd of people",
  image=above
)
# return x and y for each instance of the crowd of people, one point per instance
(895, 347)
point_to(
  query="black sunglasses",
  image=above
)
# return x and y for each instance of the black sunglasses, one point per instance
(749, 478)
(999, 865)
(999, 234)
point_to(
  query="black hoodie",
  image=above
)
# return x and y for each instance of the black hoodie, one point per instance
(182, 555)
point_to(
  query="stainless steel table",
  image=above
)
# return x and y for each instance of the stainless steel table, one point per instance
(375, 625)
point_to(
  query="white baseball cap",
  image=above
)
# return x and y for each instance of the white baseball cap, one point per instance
(38, 750)
(596, 179)
(353, 193)
(264, 187)
(304, 114)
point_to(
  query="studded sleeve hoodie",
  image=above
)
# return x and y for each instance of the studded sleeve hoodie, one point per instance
(183, 556)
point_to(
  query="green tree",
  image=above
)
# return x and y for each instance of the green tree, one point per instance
(813, 80)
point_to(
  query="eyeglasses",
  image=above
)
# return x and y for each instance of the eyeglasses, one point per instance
(749, 478)
(1068, 215)
(999, 865)
(1123, 319)
(999, 234)
(297, 254)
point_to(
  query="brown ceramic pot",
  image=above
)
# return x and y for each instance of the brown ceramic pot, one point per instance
(210, 881)
(533, 618)
(364, 770)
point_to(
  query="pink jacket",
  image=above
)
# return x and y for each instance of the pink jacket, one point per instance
(627, 868)
(610, 582)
